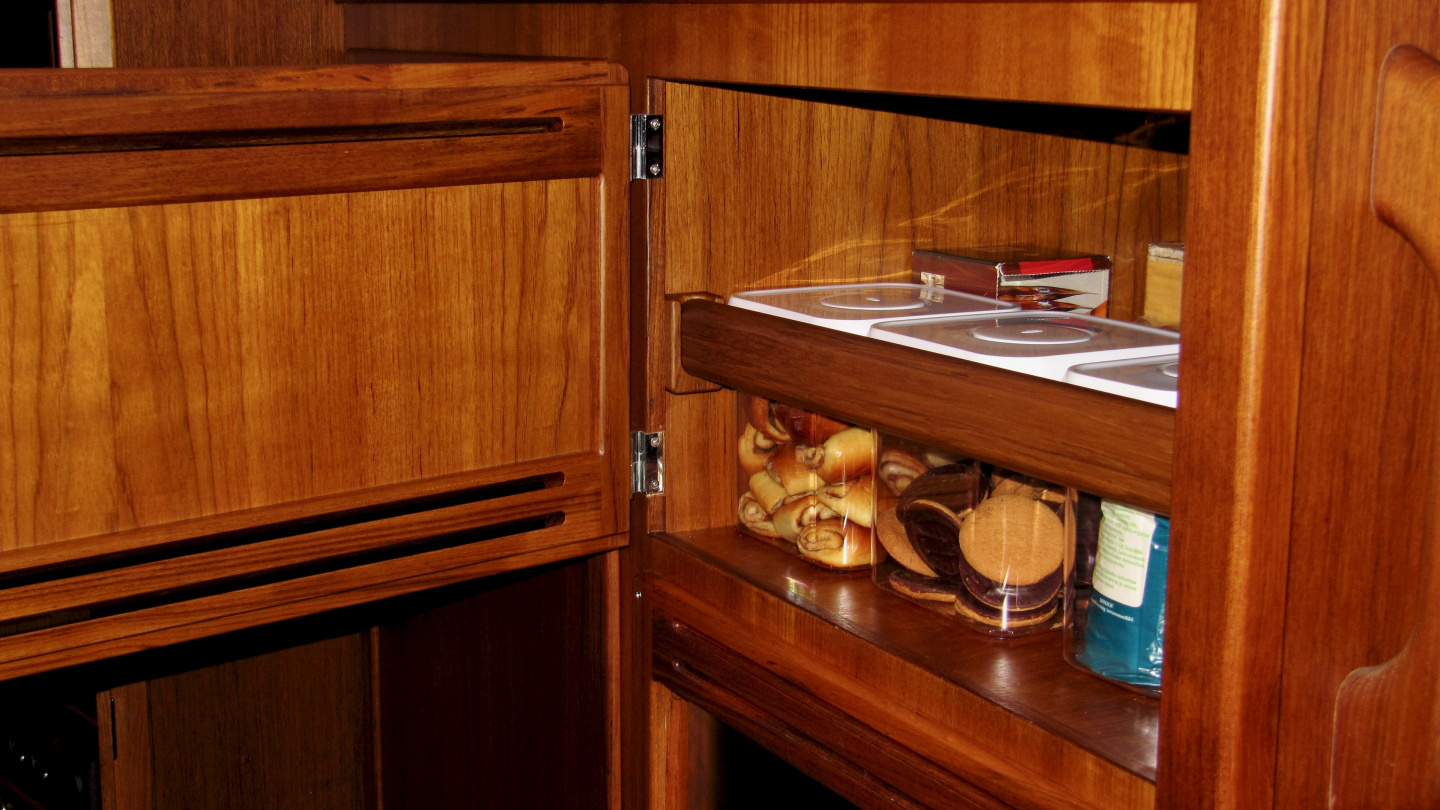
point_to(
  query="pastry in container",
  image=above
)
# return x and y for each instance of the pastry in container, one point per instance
(806, 482)
(1115, 597)
(982, 544)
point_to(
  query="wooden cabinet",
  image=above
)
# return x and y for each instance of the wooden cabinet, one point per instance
(1296, 468)
(283, 341)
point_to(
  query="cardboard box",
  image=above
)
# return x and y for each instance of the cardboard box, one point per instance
(1028, 276)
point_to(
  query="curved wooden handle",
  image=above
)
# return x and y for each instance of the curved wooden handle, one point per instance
(1387, 717)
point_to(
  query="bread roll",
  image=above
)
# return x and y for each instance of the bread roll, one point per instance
(847, 455)
(767, 490)
(836, 543)
(898, 469)
(792, 517)
(806, 427)
(852, 500)
(760, 413)
(754, 517)
(753, 458)
(791, 472)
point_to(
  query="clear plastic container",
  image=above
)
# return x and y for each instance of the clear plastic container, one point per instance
(1115, 596)
(1151, 379)
(1036, 343)
(855, 308)
(970, 540)
(806, 483)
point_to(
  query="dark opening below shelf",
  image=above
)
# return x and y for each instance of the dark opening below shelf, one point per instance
(1027, 676)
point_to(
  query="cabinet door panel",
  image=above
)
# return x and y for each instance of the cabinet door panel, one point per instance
(193, 359)
(284, 324)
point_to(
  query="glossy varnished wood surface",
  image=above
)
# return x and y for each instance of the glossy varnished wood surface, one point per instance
(1010, 718)
(178, 361)
(90, 140)
(1244, 310)
(967, 407)
(822, 742)
(1106, 54)
(1386, 727)
(843, 194)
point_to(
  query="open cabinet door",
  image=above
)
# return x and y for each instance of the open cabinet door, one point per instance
(279, 341)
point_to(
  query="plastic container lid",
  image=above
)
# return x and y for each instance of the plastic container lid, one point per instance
(1152, 379)
(855, 308)
(1037, 343)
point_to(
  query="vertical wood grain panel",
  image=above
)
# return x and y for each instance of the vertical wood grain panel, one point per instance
(167, 362)
(290, 728)
(840, 194)
(221, 33)
(1364, 466)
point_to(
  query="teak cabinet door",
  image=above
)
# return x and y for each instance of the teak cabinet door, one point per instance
(276, 341)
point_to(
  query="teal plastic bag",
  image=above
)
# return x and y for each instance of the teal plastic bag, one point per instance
(1125, 623)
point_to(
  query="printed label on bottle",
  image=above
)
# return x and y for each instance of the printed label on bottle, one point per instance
(1123, 555)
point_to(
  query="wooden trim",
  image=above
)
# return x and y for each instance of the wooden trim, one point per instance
(172, 538)
(852, 759)
(93, 640)
(1111, 446)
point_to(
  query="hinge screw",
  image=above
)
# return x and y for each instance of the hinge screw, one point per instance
(654, 169)
(654, 123)
(654, 441)
(638, 594)
(653, 486)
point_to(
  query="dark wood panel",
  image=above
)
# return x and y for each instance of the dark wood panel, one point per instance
(1135, 55)
(289, 728)
(498, 696)
(176, 33)
(799, 725)
(1010, 717)
(1115, 447)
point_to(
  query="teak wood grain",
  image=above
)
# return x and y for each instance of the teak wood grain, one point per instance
(1386, 724)
(177, 361)
(1119, 54)
(1114, 447)
(787, 719)
(234, 735)
(86, 144)
(981, 740)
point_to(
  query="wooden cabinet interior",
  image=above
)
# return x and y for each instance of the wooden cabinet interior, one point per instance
(849, 194)
(466, 696)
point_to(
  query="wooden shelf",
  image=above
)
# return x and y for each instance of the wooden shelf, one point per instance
(1027, 677)
(1114, 447)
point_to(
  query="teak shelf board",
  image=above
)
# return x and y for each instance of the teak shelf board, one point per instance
(1110, 446)
(1028, 676)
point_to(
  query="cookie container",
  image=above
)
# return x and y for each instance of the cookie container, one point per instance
(976, 542)
(1036, 343)
(806, 483)
(1151, 379)
(855, 308)
(1115, 595)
